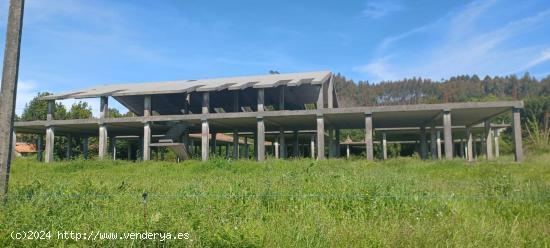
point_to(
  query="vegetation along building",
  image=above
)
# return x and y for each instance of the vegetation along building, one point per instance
(283, 115)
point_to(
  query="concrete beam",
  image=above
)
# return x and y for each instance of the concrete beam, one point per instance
(205, 131)
(488, 141)
(320, 137)
(516, 134)
(368, 137)
(260, 144)
(50, 138)
(447, 135)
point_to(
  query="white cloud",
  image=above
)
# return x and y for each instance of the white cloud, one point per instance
(380, 8)
(458, 45)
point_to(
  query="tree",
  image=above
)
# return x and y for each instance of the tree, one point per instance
(80, 110)
(37, 109)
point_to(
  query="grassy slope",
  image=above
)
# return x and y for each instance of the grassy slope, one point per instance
(400, 202)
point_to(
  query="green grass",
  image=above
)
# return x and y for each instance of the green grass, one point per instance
(300, 203)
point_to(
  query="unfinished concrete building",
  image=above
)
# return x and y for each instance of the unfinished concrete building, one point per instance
(282, 115)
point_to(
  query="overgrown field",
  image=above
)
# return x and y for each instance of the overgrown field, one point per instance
(300, 203)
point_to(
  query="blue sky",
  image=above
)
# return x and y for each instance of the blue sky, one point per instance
(69, 44)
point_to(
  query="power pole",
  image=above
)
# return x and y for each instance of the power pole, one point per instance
(9, 91)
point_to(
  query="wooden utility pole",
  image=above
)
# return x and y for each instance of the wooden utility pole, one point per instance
(9, 90)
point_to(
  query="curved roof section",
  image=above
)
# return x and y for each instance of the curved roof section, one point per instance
(203, 85)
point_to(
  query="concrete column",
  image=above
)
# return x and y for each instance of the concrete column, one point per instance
(368, 136)
(337, 142)
(39, 148)
(330, 88)
(438, 144)
(205, 102)
(469, 145)
(384, 146)
(204, 140)
(146, 141)
(50, 138)
(9, 90)
(320, 99)
(282, 141)
(112, 147)
(489, 141)
(85, 147)
(69, 144)
(496, 135)
(447, 134)
(295, 147)
(320, 137)
(433, 142)
(461, 150)
(423, 143)
(312, 146)
(246, 148)
(13, 144)
(282, 97)
(347, 151)
(516, 133)
(235, 144)
(483, 144)
(260, 137)
(186, 103)
(276, 145)
(260, 106)
(102, 141)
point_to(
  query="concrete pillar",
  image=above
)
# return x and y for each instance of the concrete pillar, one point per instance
(260, 107)
(516, 134)
(384, 147)
(276, 145)
(282, 141)
(321, 101)
(337, 142)
(447, 134)
(186, 103)
(368, 136)
(246, 148)
(8, 91)
(69, 152)
(102, 141)
(50, 138)
(312, 146)
(423, 143)
(433, 142)
(146, 141)
(282, 97)
(235, 144)
(489, 141)
(295, 147)
(347, 151)
(469, 145)
(205, 102)
(205, 130)
(496, 135)
(438, 144)
(39, 148)
(320, 137)
(260, 137)
(112, 146)
(462, 148)
(329, 91)
(85, 147)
